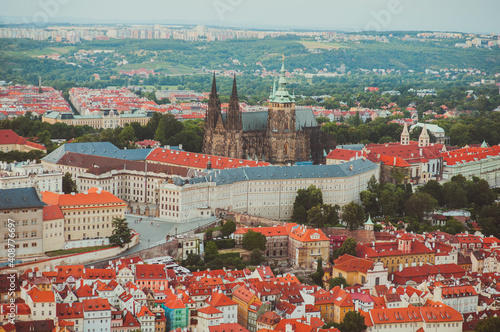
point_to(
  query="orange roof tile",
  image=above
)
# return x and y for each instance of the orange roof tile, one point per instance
(93, 197)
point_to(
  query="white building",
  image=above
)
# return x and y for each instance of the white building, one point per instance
(27, 174)
(96, 315)
(264, 191)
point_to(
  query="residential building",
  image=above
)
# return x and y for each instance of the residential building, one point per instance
(228, 307)
(88, 216)
(96, 315)
(208, 316)
(276, 239)
(29, 174)
(176, 313)
(53, 228)
(362, 271)
(22, 221)
(152, 276)
(307, 245)
(10, 141)
(71, 312)
(244, 298)
(42, 303)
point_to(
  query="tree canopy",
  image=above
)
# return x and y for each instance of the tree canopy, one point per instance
(122, 234)
(254, 240)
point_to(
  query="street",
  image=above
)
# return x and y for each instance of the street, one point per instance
(153, 231)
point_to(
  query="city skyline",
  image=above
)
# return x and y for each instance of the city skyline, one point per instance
(363, 15)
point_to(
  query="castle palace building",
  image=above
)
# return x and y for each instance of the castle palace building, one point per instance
(281, 135)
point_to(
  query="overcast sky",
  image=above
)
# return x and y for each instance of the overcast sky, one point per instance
(349, 15)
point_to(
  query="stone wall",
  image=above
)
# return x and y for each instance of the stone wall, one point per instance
(361, 235)
(74, 259)
(248, 220)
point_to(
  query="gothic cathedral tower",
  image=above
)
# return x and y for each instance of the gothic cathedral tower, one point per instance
(213, 121)
(234, 126)
(281, 134)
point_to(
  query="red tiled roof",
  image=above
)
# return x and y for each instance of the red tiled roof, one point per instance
(93, 196)
(52, 212)
(41, 296)
(350, 263)
(219, 300)
(69, 310)
(303, 234)
(198, 160)
(209, 310)
(150, 271)
(97, 304)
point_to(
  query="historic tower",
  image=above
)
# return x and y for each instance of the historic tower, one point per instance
(234, 125)
(405, 135)
(424, 139)
(281, 123)
(213, 123)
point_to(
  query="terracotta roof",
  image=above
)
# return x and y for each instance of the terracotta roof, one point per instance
(243, 293)
(52, 212)
(266, 231)
(93, 196)
(348, 263)
(303, 234)
(199, 160)
(220, 300)
(96, 304)
(145, 312)
(37, 295)
(69, 310)
(209, 310)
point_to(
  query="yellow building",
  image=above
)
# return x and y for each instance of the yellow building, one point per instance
(406, 251)
(88, 215)
(353, 269)
(244, 298)
(307, 245)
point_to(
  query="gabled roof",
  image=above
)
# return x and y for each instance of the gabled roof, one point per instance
(96, 305)
(209, 310)
(303, 234)
(348, 263)
(243, 294)
(145, 312)
(229, 327)
(69, 310)
(52, 212)
(220, 299)
(37, 295)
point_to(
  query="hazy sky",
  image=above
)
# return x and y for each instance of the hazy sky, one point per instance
(440, 15)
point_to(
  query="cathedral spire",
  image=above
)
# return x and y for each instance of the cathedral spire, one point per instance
(214, 109)
(282, 95)
(214, 87)
(233, 119)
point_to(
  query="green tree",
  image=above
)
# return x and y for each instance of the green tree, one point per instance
(307, 199)
(127, 135)
(122, 234)
(420, 204)
(252, 240)
(211, 251)
(348, 248)
(454, 196)
(353, 215)
(490, 324)
(256, 257)
(161, 131)
(192, 260)
(369, 202)
(317, 277)
(338, 281)
(454, 226)
(353, 322)
(378, 228)
(68, 185)
(433, 188)
(228, 228)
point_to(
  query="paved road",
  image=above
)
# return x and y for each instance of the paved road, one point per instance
(153, 231)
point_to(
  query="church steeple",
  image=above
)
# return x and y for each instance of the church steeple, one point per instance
(282, 95)
(214, 109)
(233, 119)
(405, 135)
(423, 139)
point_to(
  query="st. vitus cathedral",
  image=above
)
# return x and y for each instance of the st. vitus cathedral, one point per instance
(281, 135)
